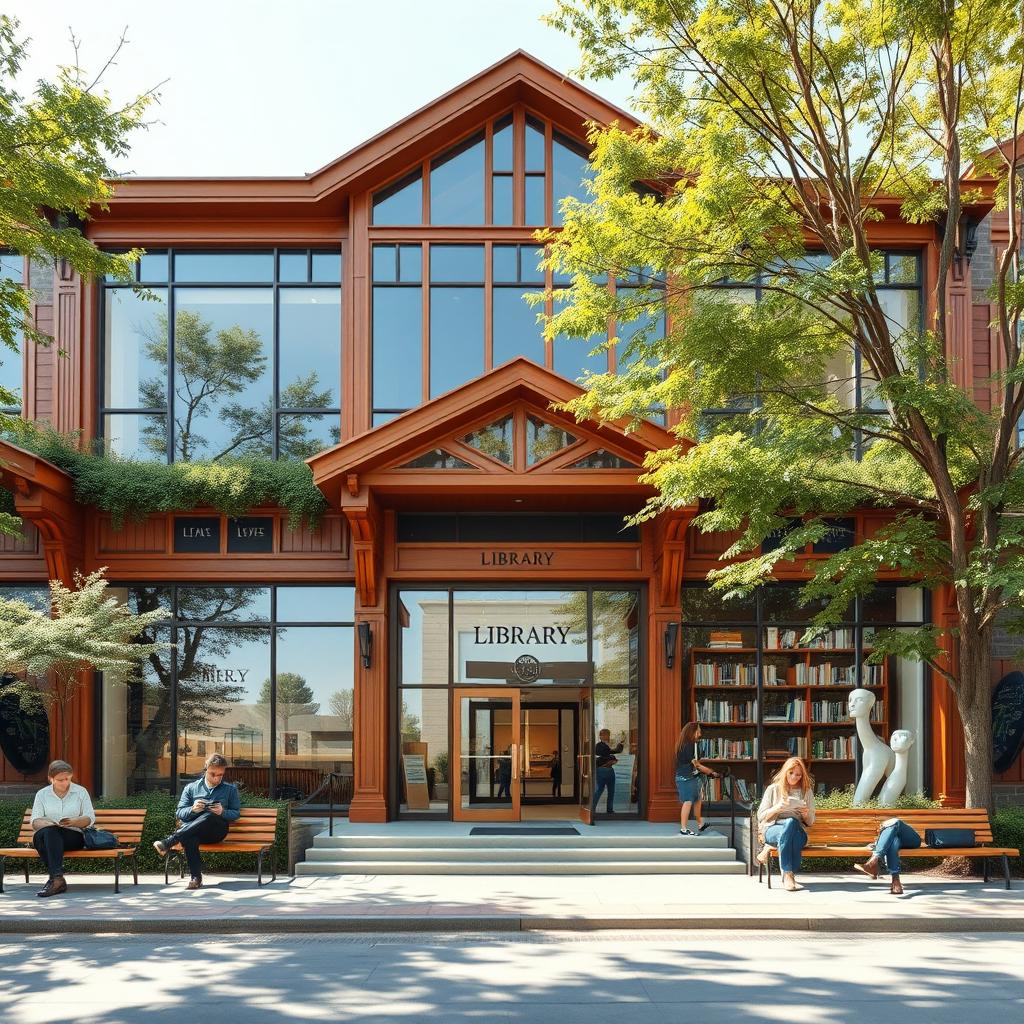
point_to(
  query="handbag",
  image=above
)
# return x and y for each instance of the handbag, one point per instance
(99, 839)
(947, 838)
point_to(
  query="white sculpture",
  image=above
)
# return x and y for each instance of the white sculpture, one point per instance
(900, 742)
(878, 760)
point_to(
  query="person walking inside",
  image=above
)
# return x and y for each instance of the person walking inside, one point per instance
(206, 809)
(688, 778)
(505, 775)
(556, 775)
(60, 812)
(604, 755)
(893, 835)
(787, 808)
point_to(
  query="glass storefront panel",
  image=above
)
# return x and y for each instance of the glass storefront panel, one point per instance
(423, 752)
(618, 711)
(616, 638)
(521, 637)
(314, 685)
(224, 604)
(487, 735)
(423, 644)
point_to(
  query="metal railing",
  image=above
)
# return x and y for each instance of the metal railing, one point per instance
(727, 776)
(328, 784)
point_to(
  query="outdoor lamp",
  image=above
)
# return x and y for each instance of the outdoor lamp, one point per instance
(671, 633)
(365, 642)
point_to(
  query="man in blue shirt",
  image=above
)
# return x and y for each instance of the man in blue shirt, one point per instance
(206, 809)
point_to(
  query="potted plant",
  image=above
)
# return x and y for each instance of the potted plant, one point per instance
(441, 776)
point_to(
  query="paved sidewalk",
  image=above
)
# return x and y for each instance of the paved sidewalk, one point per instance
(837, 903)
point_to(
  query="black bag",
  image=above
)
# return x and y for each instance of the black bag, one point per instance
(98, 839)
(947, 838)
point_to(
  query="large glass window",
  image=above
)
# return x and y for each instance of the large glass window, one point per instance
(12, 268)
(765, 689)
(457, 184)
(515, 330)
(253, 370)
(263, 675)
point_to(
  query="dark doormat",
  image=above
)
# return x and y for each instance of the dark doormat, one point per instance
(483, 831)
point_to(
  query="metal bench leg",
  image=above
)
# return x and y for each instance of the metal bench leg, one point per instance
(117, 872)
(167, 868)
(135, 867)
(1006, 869)
(3, 864)
(984, 862)
(25, 864)
(768, 866)
(259, 868)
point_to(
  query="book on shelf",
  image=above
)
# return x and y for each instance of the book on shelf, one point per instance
(771, 638)
(724, 673)
(734, 712)
(725, 638)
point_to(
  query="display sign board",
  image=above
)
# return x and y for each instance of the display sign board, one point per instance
(251, 535)
(417, 796)
(196, 535)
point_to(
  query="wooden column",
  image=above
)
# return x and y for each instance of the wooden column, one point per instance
(370, 701)
(664, 544)
(949, 767)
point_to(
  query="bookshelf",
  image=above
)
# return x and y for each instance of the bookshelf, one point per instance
(797, 707)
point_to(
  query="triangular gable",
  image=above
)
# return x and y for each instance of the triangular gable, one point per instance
(518, 78)
(381, 459)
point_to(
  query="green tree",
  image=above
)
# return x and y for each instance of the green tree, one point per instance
(88, 629)
(784, 131)
(56, 153)
(294, 695)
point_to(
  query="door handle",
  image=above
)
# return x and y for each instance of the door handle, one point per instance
(515, 761)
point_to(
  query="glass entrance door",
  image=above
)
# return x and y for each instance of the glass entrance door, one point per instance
(487, 745)
(586, 755)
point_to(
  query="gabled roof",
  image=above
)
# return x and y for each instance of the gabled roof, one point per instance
(518, 78)
(377, 460)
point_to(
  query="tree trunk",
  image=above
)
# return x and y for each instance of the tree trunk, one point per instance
(974, 703)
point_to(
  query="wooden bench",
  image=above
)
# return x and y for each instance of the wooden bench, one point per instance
(126, 823)
(254, 831)
(846, 833)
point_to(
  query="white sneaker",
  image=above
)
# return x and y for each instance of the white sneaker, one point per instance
(687, 832)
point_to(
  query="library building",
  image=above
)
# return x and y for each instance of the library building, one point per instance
(472, 616)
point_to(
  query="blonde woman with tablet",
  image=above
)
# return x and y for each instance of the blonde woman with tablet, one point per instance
(787, 809)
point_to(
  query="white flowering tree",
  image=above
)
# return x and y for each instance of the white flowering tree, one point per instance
(87, 629)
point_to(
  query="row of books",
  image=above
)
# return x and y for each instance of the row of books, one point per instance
(790, 711)
(835, 747)
(793, 746)
(726, 711)
(726, 673)
(827, 674)
(781, 639)
(724, 748)
(725, 638)
(718, 789)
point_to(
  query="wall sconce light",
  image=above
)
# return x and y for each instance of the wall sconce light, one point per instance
(365, 634)
(670, 638)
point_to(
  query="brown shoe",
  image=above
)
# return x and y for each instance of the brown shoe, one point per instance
(54, 887)
(160, 846)
(896, 886)
(869, 868)
(194, 883)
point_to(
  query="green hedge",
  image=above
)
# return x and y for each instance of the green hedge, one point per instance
(1008, 830)
(159, 823)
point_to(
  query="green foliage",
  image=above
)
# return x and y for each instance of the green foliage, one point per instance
(56, 153)
(159, 824)
(130, 490)
(842, 799)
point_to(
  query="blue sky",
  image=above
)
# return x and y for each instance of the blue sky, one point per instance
(266, 88)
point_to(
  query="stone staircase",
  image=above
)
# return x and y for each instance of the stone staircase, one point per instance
(421, 848)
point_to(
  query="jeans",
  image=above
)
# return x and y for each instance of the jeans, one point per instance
(207, 828)
(52, 843)
(605, 780)
(789, 838)
(893, 839)
(504, 788)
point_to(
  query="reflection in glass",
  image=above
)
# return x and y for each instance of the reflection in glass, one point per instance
(400, 203)
(603, 459)
(544, 439)
(570, 169)
(153, 267)
(501, 142)
(534, 145)
(224, 267)
(310, 348)
(302, 435)
(423, 616)
(222, 380)
(457, 263)
(616, 638)
(574, 357)
(436, 458)
(457, 185)
(139, 436)
(423, 729)
(456, 337)
(138, 754)
(486, 738)
(618, 711)
(224, 604)
(315, 604)
(397, 320)
(495, 440)
(516, 331)
(135, 353)
(313, 693)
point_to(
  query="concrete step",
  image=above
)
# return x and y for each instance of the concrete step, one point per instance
(514, 854)
(549, 867)
(597, 840)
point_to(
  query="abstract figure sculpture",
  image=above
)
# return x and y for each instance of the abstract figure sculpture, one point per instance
(878, 759)
(900, 742)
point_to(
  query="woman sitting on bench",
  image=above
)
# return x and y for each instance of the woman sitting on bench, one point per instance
(59, 813)
(786, 808)
(893, 835)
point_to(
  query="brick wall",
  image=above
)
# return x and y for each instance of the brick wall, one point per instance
(1008, 795)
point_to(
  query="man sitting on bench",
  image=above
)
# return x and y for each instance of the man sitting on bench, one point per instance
(893, 835)
(206, 808)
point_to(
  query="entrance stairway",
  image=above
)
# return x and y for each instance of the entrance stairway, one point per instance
(428, 848)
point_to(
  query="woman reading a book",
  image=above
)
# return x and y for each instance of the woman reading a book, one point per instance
(59, 813)
(787, 808)
(688, 778)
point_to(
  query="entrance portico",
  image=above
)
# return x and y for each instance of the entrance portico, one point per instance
(491, 487)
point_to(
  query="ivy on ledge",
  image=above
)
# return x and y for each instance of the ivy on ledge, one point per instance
(130, 490)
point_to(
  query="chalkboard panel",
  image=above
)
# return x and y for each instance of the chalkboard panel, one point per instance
(1007, 720)
(197, 534)
(251, 535)
(24, 735)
